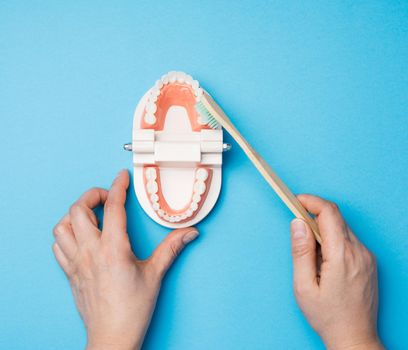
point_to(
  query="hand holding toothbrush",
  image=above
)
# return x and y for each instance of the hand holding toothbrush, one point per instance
(336, 288)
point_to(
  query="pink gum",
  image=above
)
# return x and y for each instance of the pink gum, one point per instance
(174, 94)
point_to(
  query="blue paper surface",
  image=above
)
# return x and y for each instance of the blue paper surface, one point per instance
(318, 88)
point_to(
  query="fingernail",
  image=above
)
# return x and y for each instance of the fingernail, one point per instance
(298, 229)
(189, 236)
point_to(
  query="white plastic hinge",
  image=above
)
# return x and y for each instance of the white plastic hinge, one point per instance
(153, 147)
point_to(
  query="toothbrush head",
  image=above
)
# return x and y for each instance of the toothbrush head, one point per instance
(206, 115)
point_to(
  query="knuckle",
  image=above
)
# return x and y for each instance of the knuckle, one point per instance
(348, 257)
(76, 209)
(301, 289)
(72, 272)
(331, 206)
(174, 249)
(94, 190)
(97, 192)
(301, 249)
(348, 250)
(370, 258)
(59, 229)
(54, 247)
(110, 205)
(373, 259)
(56, 230)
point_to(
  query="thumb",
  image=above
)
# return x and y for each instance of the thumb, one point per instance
(168, 250)
(304, 256)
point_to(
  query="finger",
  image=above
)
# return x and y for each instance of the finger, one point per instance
(83, 219)
(61, 258)
(167, 251)
(114, 221)
(65, 220)
(64, 237)
(304, 257)
(92, 199)
(332, 226)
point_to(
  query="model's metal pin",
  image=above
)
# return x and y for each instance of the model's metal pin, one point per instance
(127, 147)
(226, 147)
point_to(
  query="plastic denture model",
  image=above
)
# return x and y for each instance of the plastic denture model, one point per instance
(177, 157)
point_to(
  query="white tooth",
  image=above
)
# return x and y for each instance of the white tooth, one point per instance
(172, 77)
(199, 187)
(195, 85)
(181, 77)
(151, 107)
(166, 217)
(155, 92)
(202, 174)
(196, 198)
(189, 213)
(189, 79)
(152, 98)
(172, 219)
(183, 217)
(193, 206)
(156, 206)
(160, 212)
(158, 84)
(152, 187)
(154, 198)
(165, 79)
(149, 118)
(177, 218)
(150, 173)
(198, 92)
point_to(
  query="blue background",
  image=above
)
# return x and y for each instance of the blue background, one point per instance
(319, 89)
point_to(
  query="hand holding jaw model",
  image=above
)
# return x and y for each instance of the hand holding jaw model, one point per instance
(116, 293)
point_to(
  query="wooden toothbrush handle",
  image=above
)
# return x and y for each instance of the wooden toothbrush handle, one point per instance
(266, 171)
(281, 189)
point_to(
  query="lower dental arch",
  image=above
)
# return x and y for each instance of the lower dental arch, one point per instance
(202, 182)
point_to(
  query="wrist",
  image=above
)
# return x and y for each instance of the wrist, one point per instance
(112, 343)
(374, 344)
(111, 346)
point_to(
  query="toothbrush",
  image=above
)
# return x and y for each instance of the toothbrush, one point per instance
(213, 115)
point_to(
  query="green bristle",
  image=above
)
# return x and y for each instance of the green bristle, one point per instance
(205, 114)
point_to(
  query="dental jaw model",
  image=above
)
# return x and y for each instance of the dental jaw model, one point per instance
(177, 157)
